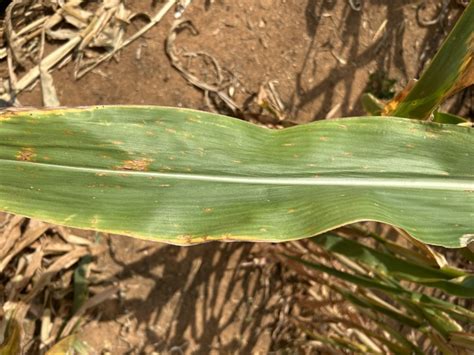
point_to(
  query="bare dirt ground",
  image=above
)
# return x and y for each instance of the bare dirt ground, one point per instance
(320, 55)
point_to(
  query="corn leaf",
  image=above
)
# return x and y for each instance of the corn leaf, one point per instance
(182, 176)
(451, 70)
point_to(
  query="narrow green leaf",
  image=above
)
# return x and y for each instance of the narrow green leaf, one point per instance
(456, 312)
(440, 321)
(372, 105)
(81, 284)
(390, 265)
(451, 70)
(352, 278)
(361, 301)
(415, 256)
(183, 176)
(444, 117)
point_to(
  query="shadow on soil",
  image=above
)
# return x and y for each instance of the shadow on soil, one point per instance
(203, 292)
(387, 51)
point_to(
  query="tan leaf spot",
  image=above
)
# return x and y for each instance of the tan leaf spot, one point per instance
(26, 154)
(136, 165)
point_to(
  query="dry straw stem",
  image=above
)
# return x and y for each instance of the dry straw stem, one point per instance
(374, 312)
(39, 274)
(218, 88)
(153, 21)
(105, 28)
(33, 233)
(221, 90)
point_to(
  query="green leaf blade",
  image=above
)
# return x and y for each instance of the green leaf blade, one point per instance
(451, 70)
(183, 176)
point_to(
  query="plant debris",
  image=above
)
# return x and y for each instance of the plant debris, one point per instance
(87, 35)
(36, 270)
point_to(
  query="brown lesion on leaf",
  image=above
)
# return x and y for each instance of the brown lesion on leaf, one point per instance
(13, 112)
(466, 72)
(392, 105)
(136, 165)
(185, 238)
(26, 154)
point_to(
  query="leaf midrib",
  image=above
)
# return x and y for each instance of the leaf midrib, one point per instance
(438, 183)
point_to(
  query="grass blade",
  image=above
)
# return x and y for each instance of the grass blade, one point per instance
(383, 262)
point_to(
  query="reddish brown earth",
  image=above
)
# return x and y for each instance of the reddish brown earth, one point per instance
(217, 297)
